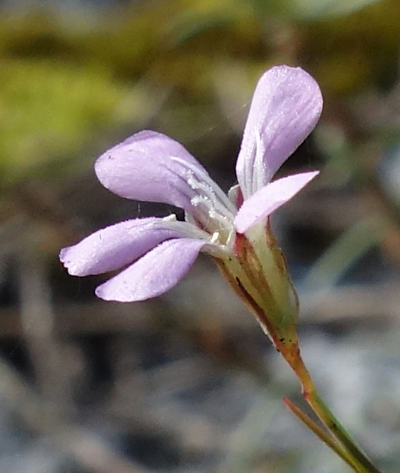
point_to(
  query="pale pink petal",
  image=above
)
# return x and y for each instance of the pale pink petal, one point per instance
(115, 246)
(269, 198)
(285, 108)
(153, 274)
(142, 168)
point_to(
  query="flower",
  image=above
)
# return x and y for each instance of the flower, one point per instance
(155, 253)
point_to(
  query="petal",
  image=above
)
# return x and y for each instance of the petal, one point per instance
(142, 168)
(154, 273)
(284, 110)
(115, 246)
(269, 198)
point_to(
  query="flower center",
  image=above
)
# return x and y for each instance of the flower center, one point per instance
(216, 211)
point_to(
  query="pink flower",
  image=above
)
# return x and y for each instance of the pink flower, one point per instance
(155, 253)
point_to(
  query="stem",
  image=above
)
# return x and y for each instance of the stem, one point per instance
(310, 394)
(322, 410)
(321, 433)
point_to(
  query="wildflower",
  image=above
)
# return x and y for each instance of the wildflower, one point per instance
(155, 253)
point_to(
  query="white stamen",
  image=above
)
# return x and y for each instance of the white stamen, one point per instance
(224, 222)
(220, 218)
(200, 199)
(186, 229)
(219, 193)
(209, 197)
(214, 202)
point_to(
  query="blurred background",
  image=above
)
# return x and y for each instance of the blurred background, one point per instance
(187, 382)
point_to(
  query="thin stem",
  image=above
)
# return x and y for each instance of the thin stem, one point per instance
(321, 433)
(322, 410)
(312, 397)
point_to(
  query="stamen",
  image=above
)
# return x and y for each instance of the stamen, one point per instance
(202, 175)
(209, 195)
(201, 199)
(225, 221)
(216, 204)
(220, 218)
(186, 229)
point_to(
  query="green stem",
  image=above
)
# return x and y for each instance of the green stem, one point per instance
(325, 414)
(361, 462)
(321, 433)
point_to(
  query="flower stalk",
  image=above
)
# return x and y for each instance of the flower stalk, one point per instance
(321, 433)
(364, 464)
(340, 440)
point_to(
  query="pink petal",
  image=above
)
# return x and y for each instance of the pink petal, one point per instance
(154, 273)
(285, 108)
(269, 198)
(115, 246)
(141, 168)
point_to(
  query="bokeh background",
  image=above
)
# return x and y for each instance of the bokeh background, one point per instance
(187, 382)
